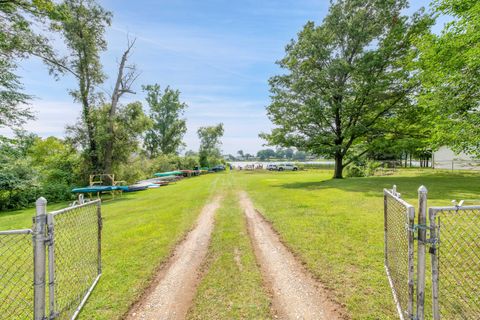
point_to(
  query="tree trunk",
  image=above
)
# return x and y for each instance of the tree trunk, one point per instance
(122, 85)
(92, 144)
(338, 173)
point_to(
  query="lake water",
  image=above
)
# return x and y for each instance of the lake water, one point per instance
(242, 164)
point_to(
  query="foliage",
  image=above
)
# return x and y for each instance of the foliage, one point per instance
(266, 154)
(174, 162)
(364, 168)
(166, 134)
(31, 166)
(450, 65)
(83, 28)
(129, 122)
(56, 164)
(22, 28)
(344, 77)
(209, 153)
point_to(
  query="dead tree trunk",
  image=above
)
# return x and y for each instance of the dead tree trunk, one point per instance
(126, 76)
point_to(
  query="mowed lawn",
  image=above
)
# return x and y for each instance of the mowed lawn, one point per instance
(336, 226)
(140, 230)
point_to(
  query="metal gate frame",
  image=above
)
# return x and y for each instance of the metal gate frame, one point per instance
(44, 241)
(427, 234)
(405, 312)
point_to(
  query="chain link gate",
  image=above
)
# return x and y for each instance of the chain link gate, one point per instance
(16, 274)
(452, 236)
(455, 238)
(399, 251)
(66, 246)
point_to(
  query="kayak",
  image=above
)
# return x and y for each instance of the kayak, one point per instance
(91, 189)
(169, 173)
(136, 187)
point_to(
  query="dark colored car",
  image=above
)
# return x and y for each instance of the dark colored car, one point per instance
(218, 168)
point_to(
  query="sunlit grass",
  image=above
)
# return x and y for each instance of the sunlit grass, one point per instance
(336, 226)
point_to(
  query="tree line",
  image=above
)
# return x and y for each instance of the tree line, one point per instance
(269, 154)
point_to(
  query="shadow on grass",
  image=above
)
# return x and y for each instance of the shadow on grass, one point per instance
(441, 185)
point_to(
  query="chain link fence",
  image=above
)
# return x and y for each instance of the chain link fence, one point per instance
(452, 237)
(399, 259)
(456, 262)
(72, 239)
(16, 274)
(76, 256)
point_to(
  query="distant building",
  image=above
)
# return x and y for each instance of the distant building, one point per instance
(446, 158)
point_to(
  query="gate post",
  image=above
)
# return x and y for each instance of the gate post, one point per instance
(39, 259)
(434, 257)
(422, 237)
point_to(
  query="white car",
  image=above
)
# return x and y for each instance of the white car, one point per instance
(286, 166)
(272, 167)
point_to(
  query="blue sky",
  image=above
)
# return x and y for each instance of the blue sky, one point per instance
(219, 54)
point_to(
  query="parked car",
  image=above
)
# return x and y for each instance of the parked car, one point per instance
(218, 168)
(286, 166)
(271, 167)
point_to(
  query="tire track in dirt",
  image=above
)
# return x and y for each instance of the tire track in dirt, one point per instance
(174, 286)
(296, 294)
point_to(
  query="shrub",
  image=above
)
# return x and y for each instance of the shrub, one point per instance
(354, 170)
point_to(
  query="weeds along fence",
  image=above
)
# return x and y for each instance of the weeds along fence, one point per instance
(49, 271)
(451, 237)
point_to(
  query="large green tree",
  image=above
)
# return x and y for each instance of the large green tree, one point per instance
(344, 77)
(450, 64)
(24, 25)
(83, 26)
(166, 110)
(210, 142)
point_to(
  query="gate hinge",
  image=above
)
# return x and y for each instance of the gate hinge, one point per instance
(49, 239)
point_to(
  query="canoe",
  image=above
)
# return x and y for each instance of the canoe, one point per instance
(91, 189)
(136, 187)
(169, 173)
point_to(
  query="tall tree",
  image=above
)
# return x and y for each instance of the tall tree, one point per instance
(166, 111)
(126, 76)
(210, 144)
(450, 64)
(344, 77)
(23, 28)
(83, 26)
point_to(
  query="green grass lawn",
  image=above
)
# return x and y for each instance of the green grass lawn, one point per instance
(140, 230)
(336, 226)
(232, 285)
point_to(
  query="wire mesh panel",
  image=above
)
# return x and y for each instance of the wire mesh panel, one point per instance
(399, 259)
(456, 262)
(16, 274)
(75, 262)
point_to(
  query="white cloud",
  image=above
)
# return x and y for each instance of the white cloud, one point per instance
(52, 117)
